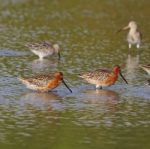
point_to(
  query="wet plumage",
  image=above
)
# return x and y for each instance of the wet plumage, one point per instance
(102, 77)
(44, 49)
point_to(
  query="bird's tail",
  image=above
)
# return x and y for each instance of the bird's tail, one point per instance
(27, 45)
(80, 75)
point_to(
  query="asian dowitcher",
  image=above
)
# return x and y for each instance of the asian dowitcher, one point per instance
(146, 68)
(44, 49)
(134, 36)
(103, 77)
(44, 83)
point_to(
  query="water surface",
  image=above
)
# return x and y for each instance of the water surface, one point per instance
(116, 117)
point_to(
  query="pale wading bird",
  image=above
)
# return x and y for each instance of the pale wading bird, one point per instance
(103, 77)
(44, 49)
(134, 36)
(44, 83)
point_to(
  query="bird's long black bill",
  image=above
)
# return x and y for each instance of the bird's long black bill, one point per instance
(59, 56)
(124, 28)
(123, 78)
(67, 86)
(119, 30)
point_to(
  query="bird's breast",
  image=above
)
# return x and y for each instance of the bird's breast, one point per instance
(53, 84)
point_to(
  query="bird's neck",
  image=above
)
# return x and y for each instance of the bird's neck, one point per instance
(114, 76)
(116, 71)
(55, 50)
(133, 30)
(53, 83)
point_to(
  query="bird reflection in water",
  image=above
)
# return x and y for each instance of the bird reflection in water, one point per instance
(101, 98)
(132, 64)
(41, 100)
(38, 65)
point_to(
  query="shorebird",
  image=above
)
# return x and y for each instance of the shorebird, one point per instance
(103, 77)
(134, 36)
(44, 83)
(44, 49)
(146, 68)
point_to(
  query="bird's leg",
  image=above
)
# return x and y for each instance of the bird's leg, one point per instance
(98, 87)
(101, 87)
(138, 46)
(40, 57)
(129, 46)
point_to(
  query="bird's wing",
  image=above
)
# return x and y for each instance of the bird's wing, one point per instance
(40, 80)
(40, 45)
(99, 74)
(140, 35)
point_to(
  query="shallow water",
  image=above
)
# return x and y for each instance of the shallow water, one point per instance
(115, 117)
